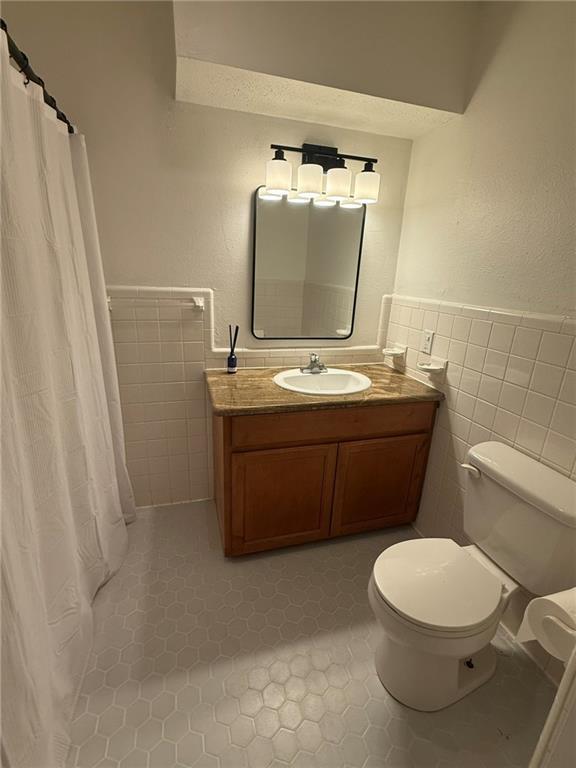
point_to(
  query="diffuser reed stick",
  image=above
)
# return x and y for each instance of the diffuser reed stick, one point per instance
(232, 360)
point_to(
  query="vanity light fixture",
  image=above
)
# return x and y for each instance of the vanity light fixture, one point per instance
(278, 174)
(317, 161)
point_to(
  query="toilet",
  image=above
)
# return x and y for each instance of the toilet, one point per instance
(440, 603)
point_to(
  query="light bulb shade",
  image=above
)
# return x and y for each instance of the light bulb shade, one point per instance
(310, 180)
(324, 202)
(350, 203)
(293, 199)
(278, 177)
(338, 181)
(263, 194)
(366, 187)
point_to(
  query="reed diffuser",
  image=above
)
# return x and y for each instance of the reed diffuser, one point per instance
(232, 359)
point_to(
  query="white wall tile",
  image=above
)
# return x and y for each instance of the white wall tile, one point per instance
(559, 450)
(445, 323)
(543, 322)
(572, 359)
(124, 331)
(555, 348)
(465, 405)
(484, 414)
(170, 330)
(148, 331)
(430, 321)
(519, 370)
(505, 424)
(478, 434)
(526, 342)
(150, 353)
(568, 388)
(440, 346)
(475, 357)
(457, 352)
(480, 332)
(417, 318)
(547, 379)
(501, 337)
(469, 381)
(461, 328)
(495, 363)
(512, 398)
(538, 408)
(454, 375)
(501, 316)
(489, 389)
(530, 436)
(564, 420)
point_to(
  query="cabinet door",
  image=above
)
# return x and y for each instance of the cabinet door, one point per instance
(281, 497)
(378, 483)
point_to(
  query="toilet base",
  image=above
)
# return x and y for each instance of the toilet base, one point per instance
(426, 681)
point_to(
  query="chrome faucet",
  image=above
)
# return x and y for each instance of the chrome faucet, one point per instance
(315, 365)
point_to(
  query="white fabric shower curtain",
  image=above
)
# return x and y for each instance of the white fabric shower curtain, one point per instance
(65, 492)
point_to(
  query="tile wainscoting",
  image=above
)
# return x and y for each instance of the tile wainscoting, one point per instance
(511, 377)
(163, 344)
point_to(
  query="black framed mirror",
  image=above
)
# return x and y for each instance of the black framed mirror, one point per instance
(306, 264)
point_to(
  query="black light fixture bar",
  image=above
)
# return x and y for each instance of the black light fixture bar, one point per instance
(327, 157)
(23, 64)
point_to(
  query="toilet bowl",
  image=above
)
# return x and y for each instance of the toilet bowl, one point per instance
(439, 604)
(439, 608)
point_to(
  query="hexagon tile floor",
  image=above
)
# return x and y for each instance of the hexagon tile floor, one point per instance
(266, 661)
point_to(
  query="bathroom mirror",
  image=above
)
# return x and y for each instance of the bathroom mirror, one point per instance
(306, 266)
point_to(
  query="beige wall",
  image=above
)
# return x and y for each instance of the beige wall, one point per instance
(173, 182)
(416, 52)
(489, 215)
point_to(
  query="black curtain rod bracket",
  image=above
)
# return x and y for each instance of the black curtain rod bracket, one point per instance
(23, 64)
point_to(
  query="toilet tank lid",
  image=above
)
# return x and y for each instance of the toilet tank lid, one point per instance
(532, 481)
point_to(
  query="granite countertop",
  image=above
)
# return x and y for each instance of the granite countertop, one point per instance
(252, 390)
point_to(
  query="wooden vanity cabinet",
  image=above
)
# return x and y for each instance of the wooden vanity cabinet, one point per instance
(290, 478)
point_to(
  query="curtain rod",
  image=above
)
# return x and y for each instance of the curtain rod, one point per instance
(23, 64)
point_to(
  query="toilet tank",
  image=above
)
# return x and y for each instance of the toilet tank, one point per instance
(522, 514)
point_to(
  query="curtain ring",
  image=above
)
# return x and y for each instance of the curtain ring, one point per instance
(26, 63)
(21, 72)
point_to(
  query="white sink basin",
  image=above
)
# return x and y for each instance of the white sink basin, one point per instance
(333, 381)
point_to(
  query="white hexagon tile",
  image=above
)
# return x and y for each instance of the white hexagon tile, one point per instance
(267, 661)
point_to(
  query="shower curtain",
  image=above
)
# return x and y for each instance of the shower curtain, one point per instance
(65, 492)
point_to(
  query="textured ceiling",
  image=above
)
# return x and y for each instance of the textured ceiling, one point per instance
(219, 85)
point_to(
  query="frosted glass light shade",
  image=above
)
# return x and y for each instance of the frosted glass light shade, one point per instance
(293, 199)
(278, 177)
(264, 194)
(310, 180)
(324, 202)
(367, 187)
(350, 203)
(338, 181)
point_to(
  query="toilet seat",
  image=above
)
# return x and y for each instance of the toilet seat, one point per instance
(435, 584)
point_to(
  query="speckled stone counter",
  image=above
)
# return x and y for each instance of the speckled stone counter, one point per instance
(252, 390)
